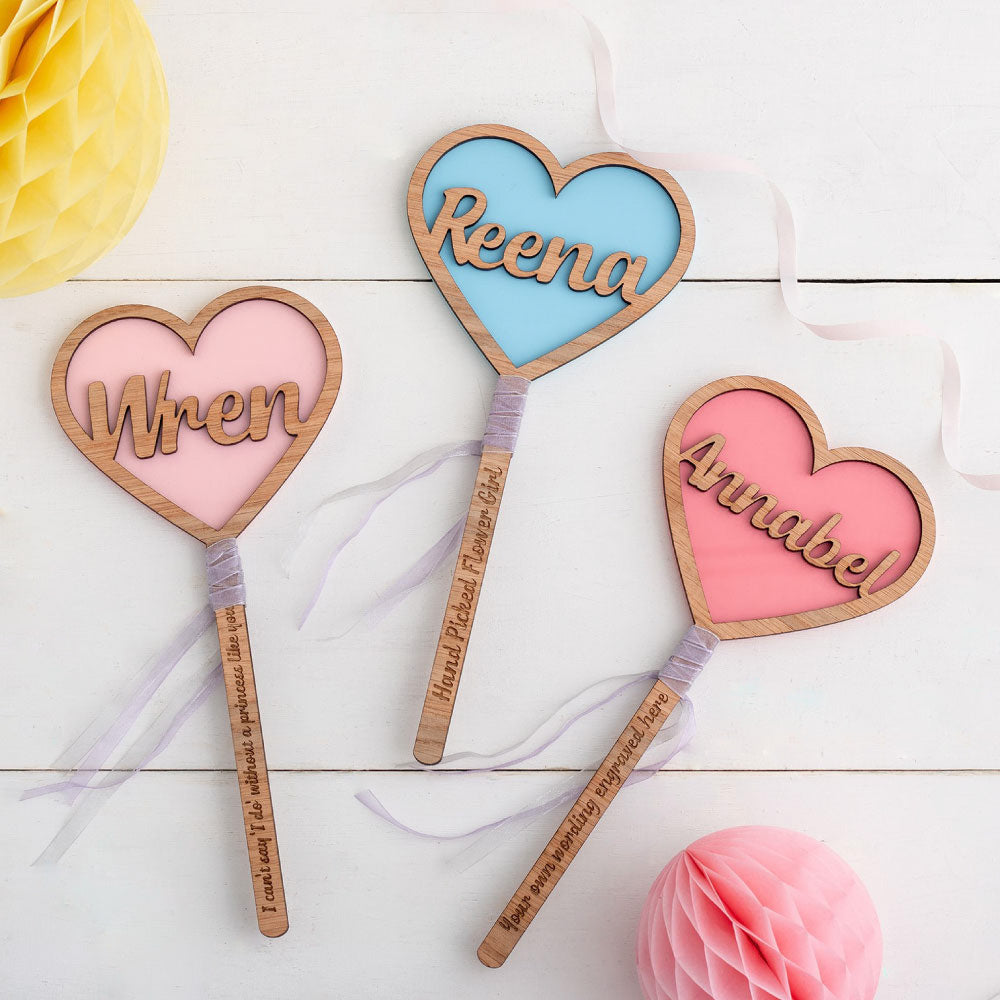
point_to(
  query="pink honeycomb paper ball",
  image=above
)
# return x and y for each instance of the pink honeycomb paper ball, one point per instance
(758, 913)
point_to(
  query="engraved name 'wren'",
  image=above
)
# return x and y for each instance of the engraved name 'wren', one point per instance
(162, 427)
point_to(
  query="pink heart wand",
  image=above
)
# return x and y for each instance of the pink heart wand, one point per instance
(202, 422)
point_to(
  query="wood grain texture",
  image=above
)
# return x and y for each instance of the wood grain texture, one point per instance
(823, 457)
(592, 503)
(560, 175)
(190, 334)
(578, 825)
(251, 771)
(460, 611)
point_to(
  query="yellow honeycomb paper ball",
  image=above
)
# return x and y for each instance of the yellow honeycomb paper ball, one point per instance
(83, 133)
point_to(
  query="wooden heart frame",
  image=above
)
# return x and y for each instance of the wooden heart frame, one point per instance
(560, 176)
(190, 333)
(823, 456)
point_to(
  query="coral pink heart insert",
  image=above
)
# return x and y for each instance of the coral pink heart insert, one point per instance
(770, 536)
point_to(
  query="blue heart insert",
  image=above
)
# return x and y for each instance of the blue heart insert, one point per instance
(613, 208)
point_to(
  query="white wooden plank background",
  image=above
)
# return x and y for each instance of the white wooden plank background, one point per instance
(294, 131)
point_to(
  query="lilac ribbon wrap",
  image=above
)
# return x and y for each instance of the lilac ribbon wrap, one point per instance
(224, 573)
(88, 756)
(688, 660)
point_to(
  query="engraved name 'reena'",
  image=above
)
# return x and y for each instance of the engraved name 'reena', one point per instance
(818, 548)
(161, 427)
(618, 271)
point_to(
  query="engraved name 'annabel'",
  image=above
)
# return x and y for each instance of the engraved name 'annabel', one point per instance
(818, 548)
(162, 426)
(619, 271)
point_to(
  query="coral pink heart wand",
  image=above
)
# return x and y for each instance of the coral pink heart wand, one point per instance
(773, 532)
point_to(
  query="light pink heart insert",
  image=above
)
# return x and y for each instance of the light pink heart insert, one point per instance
(257, 342)
(746, 574)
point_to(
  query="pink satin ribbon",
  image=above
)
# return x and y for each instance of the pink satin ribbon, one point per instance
(951, 381)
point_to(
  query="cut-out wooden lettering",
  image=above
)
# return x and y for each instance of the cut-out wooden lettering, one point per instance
(161, 428)
(450, 225)
(708, 472)
(814, 537)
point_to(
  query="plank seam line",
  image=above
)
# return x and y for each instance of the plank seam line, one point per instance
(550, 770)
(427, 281)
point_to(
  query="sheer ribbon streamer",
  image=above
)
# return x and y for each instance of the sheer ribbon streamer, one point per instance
(951, 382)
(503, 423)
(419, 467)
(679, 672)
(87, 758)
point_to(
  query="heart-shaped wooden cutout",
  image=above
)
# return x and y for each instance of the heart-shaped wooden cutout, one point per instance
(251, 337)
(560, 176)
(759, 568)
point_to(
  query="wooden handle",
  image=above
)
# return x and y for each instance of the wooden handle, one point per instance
(251, 770)
(578, 825)
(463, 599)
